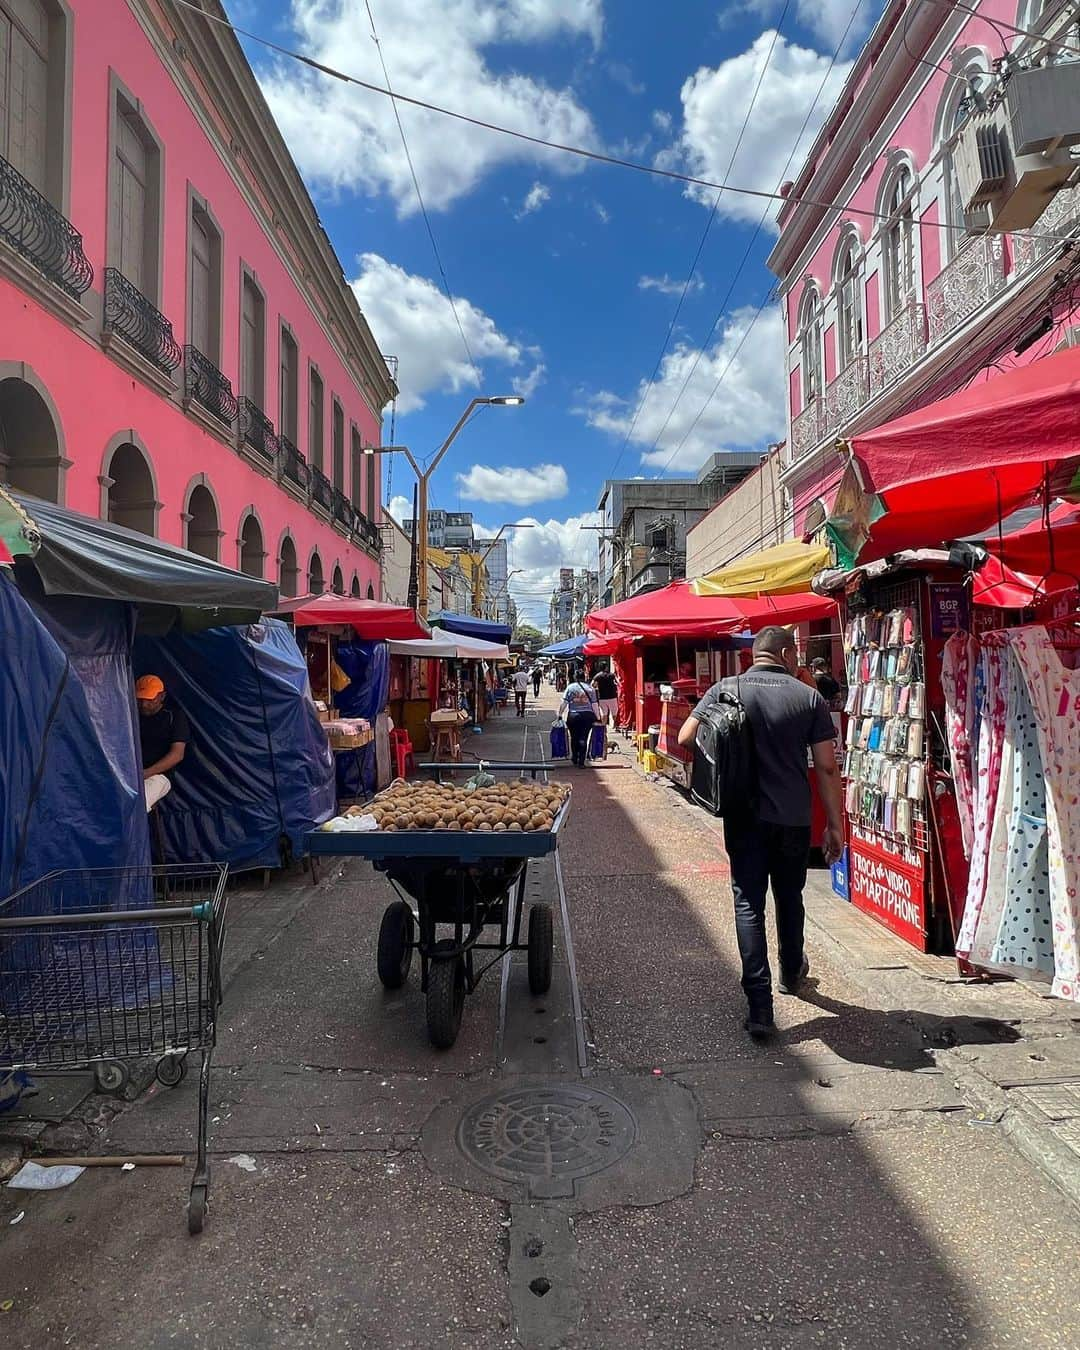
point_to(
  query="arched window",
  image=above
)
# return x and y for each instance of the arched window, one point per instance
(288, 571)
(30, 458)
(131, 500)
(370, 591)
(315, 575)
(970, 68)
(898, 242)
(849, 322)
(203, 532)
(354, 589)
(337, 580)
(252, 553)
(811, 328)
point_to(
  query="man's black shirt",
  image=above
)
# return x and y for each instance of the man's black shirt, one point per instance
(159, 731)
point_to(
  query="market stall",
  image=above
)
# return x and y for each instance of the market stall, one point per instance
(433, 676)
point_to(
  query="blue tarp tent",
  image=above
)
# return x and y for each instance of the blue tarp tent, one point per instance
(470, 626)
(574, 646)
(258, 774)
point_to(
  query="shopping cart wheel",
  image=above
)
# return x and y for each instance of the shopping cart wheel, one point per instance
(395, 944)
(170, 1070)
(196, 1210)
(112, 1076)
(541, 942)
(445, 996)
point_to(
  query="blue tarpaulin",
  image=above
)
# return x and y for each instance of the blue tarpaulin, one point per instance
(568, 647)
(258, 774)
(367, 664)
(469, 626)
(71, 793)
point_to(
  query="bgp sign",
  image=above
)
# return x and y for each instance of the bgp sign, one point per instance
(890, 886)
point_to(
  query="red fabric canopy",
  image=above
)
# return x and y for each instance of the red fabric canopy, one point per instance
(1028, 549)
(369, 618)
(998, 585)
(675, 611)
(947, 470)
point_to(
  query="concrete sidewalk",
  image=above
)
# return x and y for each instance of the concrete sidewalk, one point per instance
(611, 1164)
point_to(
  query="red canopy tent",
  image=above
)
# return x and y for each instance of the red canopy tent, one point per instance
(1029, 549)
(371, 619)
(954, 467)
(675, 611)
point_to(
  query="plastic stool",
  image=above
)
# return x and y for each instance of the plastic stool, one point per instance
(401, 747)
(641, 744)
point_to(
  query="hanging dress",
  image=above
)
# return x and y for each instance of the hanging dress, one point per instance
(1055, 698)
(1025, 938)
(957, 683)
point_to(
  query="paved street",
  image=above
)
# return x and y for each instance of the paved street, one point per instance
(856, 1183)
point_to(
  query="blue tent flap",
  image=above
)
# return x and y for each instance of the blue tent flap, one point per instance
(258, 773)
(568, 647)
(71, 792)
(470, 626)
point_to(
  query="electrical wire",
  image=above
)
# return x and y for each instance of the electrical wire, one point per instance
(701, 243)
(580, 152)
(420, 196)
(753, 240)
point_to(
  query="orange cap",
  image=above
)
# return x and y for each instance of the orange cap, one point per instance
(148, 686)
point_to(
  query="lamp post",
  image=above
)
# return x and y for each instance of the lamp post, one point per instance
(477, 575)
(423, 476)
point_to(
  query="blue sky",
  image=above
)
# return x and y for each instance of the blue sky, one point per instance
(566, 275)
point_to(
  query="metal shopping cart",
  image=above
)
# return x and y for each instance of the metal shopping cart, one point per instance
(101, 967)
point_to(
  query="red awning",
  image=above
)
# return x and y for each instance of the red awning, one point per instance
(675, 611)
(370, 619)
(1028, 549)
(948, 470)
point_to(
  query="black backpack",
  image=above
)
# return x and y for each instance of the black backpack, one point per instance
(724, 777)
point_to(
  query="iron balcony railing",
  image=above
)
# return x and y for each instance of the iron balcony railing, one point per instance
(964, 285)
(322, 491)
(205, 385)
(343, 510)
(368, 533)
(807, 429)
(257, 432)
(129, 315)
(36, 230)
(293, 465)
(897, 347)
(845, 395)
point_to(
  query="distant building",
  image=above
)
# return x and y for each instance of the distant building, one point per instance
(448, 529)
(496, 593)
(749, 518)
(644, 522)
(585, 598)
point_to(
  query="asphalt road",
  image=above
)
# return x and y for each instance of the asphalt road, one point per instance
(833, 1188)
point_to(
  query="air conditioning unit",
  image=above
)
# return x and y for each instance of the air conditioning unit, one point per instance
(1013, 158)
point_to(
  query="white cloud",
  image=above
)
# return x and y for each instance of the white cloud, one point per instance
(662, 120)
(346, 139)
(412, 320)
(745, 412)
(829, 20)
(669, 285)
(400, 508)
(540, 552)
(714, 105)
(527, 385)
(535, 198)
(602, 213)
(520, 487)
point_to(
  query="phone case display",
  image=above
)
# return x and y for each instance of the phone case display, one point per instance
(884, 761)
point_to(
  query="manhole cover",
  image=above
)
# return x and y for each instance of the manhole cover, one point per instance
(546, 1135)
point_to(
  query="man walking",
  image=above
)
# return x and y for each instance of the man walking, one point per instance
(607, 696)
(537, 676)
(521, 688)
(773, 844)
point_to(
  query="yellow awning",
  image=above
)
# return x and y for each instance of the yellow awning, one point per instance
(784, 569)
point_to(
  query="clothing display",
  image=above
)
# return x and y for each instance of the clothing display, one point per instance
(958, 660)
(884, 763)
(1022, 912)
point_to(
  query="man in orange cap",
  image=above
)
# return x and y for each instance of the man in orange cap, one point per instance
(164, 732)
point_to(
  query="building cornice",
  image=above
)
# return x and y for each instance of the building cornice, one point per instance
(208, 66)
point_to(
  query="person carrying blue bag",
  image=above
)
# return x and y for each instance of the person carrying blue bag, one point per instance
(580, 708)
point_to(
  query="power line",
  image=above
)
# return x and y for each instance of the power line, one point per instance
(420, 196)
(746, 254)
(701, 242)
(598, 156)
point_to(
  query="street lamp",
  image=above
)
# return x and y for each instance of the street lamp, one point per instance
(508, 525)
(424, 475)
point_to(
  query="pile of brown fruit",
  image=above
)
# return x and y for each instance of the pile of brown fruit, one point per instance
(441, 806)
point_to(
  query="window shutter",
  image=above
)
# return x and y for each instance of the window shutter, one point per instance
(200, 288)
(24, 80)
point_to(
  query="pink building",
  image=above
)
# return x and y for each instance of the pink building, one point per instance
(889, 310)
(179, 350)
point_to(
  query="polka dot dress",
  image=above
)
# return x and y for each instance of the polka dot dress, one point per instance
(1025, 937)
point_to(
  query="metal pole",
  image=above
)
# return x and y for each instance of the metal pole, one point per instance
(422, 537)
(412, 597)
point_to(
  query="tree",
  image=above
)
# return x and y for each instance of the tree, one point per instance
(532, 637)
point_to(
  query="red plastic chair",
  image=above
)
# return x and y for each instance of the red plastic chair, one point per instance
(401, 747)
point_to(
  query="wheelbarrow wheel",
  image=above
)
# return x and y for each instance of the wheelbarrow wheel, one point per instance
(395, 944)
(445, 996)
(196, 1210)
(541, 943)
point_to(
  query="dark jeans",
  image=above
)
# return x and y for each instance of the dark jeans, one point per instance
(536, 688)
(579, 724)
(519, 702)
(761, 853)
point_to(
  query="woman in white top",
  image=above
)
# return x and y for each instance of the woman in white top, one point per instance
(579, 707)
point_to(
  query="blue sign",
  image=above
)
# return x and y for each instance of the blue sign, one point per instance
(839, 871)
